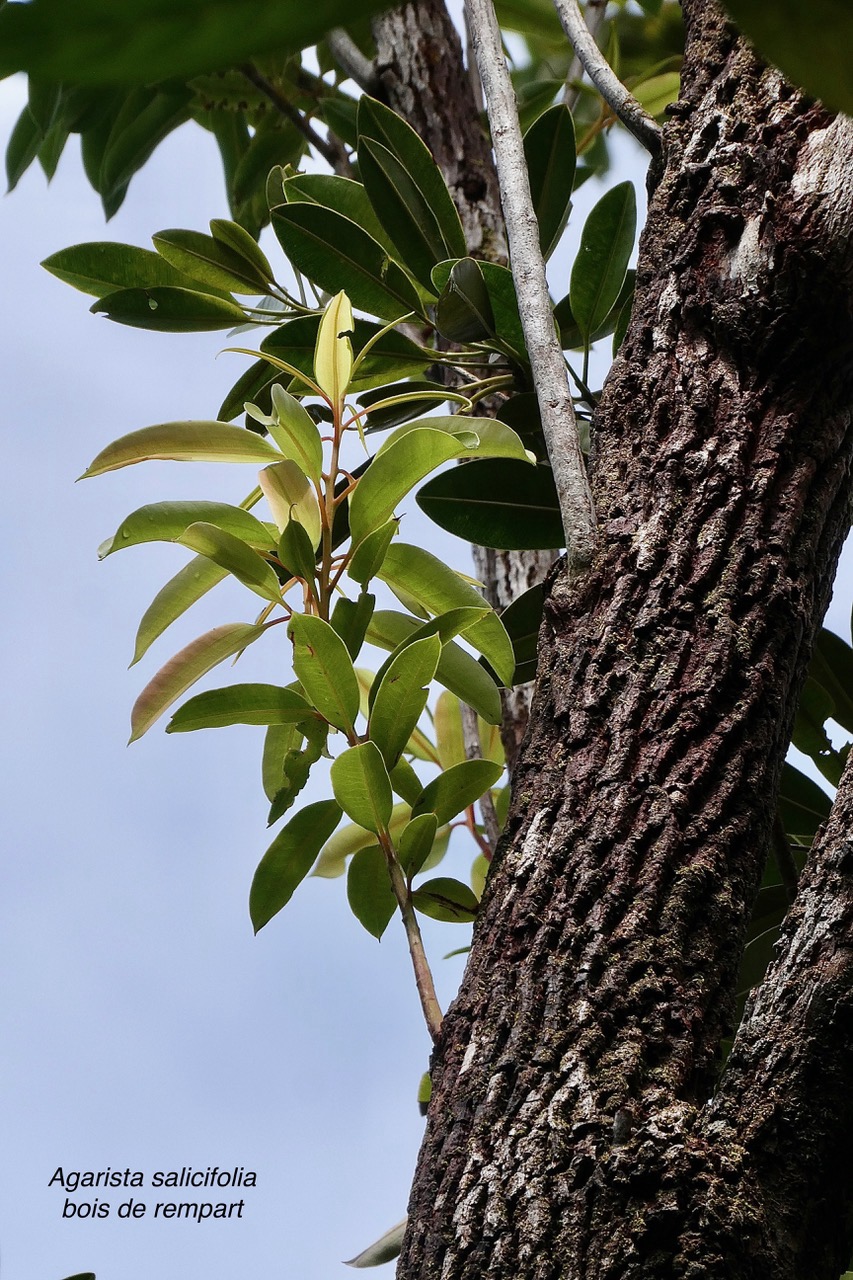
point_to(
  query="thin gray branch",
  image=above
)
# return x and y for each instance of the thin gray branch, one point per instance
(595, 11)
(559, 424)
(352, 61)
(623, 103)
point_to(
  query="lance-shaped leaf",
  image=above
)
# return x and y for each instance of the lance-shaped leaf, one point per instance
(456, 670)
(234, 555)
(295, 432)
(245, 246)
(549, 149)
(501, 318)
(438, 588)
(445, 626)
(522, 620)
(297, 764)
(166, 521)
(351, 618)
(279, 741)
(333, 354)
(415, 843)
(369, 891)
(170, 310)
(345, 196)
(456, 788)
(401, 696)
(296, 552)
(324, 668)
(602, 260)
(384, 1249)
(344, 843)
(449, 738)
(464, 310)
(183, 442)
(480, 437)
(369, 554)
(179, 593)
(185, 668)
(394, 472)
(208, 261)
(240, 704)
(291, 496)
(392, 355)
(289, 858)
(103, 266)
(445, 899)
(362, 787)
(381, 125)
(496, 503)
(333, 252)
(402, 209)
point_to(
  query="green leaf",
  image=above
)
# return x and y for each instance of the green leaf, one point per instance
(22, 148)
(351, 618)
(401, 695)
(449, 738)
(571, 337)
(810, 736)
(464, 310)
(405, 783)
(445, 899)
(392, 356)
(147, 116)
(369, 891)
(291, 496)
(240, 704)
(172, 600)
(345, 196)
(655, 94)
(185, 668)
(496, 503)
(456, 671)
(324, 668)
(183, 442)
(480, 437)
(100, 42)
(295, 433)
(369, 554)
(235, 556)
(104, 266)
(504, 323)
(402, 209)
(344, 843)
(384, 1249)
(296, 552)
(809, 42)
(362, 787)
(170, 310)
(602, 261)
(803, 806)
(457, 788)
(522, 620)
(549, 149)
(336, 254)
(166, 521)
(400, 402)
(415, 843)
(279, 741)
(438, 588)
(288, 860)
(245, 246)
(208, 261)
(832, 668)
(296, 766)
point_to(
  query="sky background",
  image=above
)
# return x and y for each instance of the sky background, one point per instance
(143, 1025)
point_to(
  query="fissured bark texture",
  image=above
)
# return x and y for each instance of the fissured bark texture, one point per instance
(570, 1133)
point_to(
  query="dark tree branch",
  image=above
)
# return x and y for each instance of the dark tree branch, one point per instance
(331, 153)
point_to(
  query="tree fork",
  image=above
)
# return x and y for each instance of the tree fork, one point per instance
(570, 1132)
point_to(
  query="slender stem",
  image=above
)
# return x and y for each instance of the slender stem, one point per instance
(423, 974)
(559, 424)
(595, 11)
(296, 118)
(471, 739)
(634, 117)
(352, 61)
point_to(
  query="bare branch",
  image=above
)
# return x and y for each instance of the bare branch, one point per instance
(623, 103)
(595, 11)
(352, 61)
(559, 424)
(330, 153)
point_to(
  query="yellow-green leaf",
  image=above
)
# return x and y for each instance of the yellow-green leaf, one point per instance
(333, 355)
(362, 787)
(324, 668)
(234, 555)
(183, 442)
(288, 860)
(291, 496)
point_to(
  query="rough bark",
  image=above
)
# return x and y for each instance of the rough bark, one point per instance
(570, 1133)
(421, 69)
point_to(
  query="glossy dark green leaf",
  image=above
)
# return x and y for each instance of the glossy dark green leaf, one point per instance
(499, 319)
(168, 310)
(265, 704)
(166, 521)
(281, 144)
(22, 148)
(381, 125)
(345, 196)
(279, 741)
(392, 356)
(51, 149)
(288, 860)
(185, 668)
(100, 42)
(534, 99)
(102, 266)
(445, 899)
(362, 787)
(457, 788)
(370, 895)
(549, 149)
(351, 618)
(571, 337)
(522, 620)
(401, 207)
(252, 385)
(463, 312)
(809, 42)
(832, 668)
(602, 259)
(296, 551)
(456, 671)
(324, 668)
(803, 805)
(415, 843)
(207, 261)
(496, 502)
(147, 117)
(370, 552)
(336, 254)
(245, 246)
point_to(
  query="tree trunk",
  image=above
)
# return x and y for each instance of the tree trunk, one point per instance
(570, 1133)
